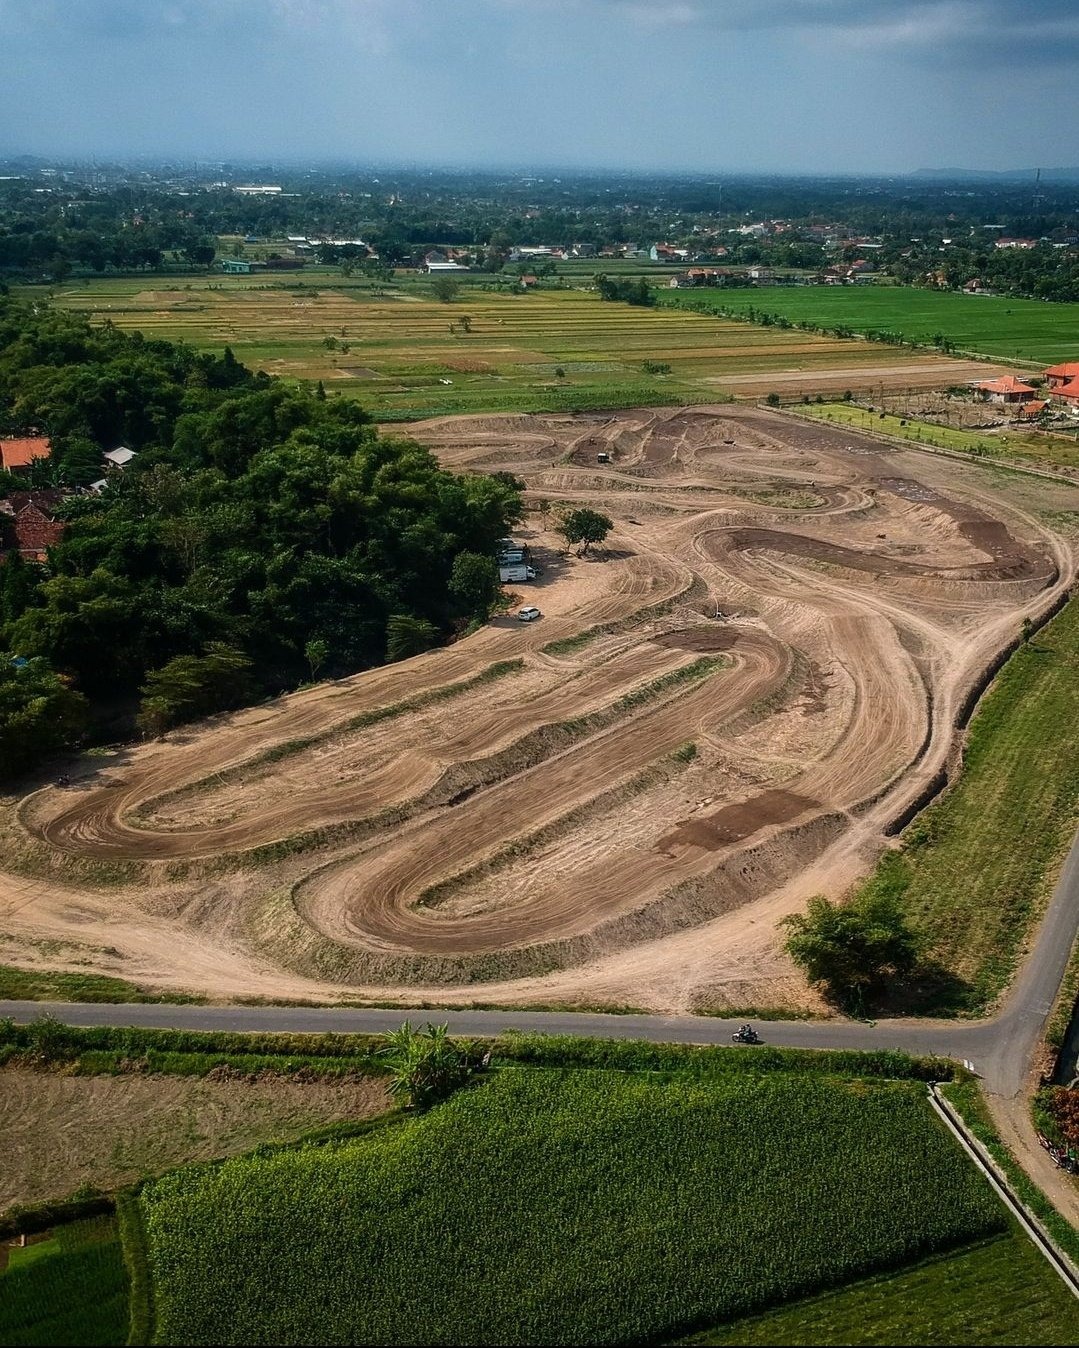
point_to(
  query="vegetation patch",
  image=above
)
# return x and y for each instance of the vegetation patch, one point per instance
(999, 1292)
(71, 1288)
(567, 1207)
(37, 985)
(1005, 826)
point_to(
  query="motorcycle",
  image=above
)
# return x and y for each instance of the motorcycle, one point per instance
(746, 1035)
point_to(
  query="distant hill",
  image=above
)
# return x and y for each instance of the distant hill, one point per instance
(1049, 175)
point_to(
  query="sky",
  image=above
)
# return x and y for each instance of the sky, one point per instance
(766, 86)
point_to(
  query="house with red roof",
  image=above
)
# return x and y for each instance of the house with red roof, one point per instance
(28, 524)
(1006, 389)
(1056, 375)
(1032, 410)
(21, 453)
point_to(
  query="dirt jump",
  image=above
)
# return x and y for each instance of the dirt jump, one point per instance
(721, 712)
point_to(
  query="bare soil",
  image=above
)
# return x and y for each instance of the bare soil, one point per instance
(860, 593)
(60, 1132)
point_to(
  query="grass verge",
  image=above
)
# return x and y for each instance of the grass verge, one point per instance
(36, 985)
(966, 1097)
(1005, 826)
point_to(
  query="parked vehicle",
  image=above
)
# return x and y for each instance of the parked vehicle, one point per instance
(528, 614)
(516, 571)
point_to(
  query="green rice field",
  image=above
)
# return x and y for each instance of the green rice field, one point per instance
(70, 1288)
(550, 1206)
(390, 346)
(1010, 329)
(995, 1293)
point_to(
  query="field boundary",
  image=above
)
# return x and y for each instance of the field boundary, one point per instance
(897, 442)
(956, 1125)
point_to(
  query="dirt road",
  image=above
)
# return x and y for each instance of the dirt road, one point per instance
(717, 716)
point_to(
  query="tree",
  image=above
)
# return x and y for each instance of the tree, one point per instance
(474, 582)
(195, 685)
(39, 715)
(772, 400)
(853, 950)
(584, 526)
(445, 288)
(426, 1066)
(316, 652)
(406, 635)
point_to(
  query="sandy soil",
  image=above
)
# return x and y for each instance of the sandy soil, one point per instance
(547, 835)
(60, 1132)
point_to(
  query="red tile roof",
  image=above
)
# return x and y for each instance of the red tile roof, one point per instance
(1032, 409)
(1006, 384)
(21, 453)
(1068, 370)
(1068, 390)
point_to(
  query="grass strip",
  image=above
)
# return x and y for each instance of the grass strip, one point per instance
(967, 1098)
(37, 985)
(132, 1233)
(1005, 826)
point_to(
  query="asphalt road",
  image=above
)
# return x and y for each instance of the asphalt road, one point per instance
(1000, 1050)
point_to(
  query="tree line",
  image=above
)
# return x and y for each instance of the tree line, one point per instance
(264, 534)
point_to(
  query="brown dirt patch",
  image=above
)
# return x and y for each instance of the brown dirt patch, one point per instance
(63, 1131)
(733, 823)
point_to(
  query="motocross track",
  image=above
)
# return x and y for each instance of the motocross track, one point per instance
(773, 649)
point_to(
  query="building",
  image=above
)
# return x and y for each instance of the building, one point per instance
(1006, 389)
(1031, 411)
(1058, 375)
(1068, 394)
(28, 525)
(236, 266)
(21, 453)
(119, 458)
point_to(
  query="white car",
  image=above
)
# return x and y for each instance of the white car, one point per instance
(528, 614)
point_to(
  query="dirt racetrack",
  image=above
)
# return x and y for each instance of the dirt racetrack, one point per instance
(717, 716)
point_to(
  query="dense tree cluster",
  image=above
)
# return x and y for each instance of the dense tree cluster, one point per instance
(261, 534)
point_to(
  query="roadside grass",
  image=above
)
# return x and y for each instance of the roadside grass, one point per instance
(1043, 449)
(967, 1099)
(999, 1292)
(1010, 329)
(565, 1206)
(37, 985)
(1004, 827)
(69, 1289)
(402, 362)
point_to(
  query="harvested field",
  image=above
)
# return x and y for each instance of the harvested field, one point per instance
(403, 354)
(718, 715)
(64, 1131)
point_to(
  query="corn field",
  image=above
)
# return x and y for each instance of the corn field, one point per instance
(554, 1206)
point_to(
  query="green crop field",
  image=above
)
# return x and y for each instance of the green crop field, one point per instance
(69, 1289)
(1011, 329)
(1005, 825)
(998, 1293)
(390, 346)
(550, 1206)
(1041, 448)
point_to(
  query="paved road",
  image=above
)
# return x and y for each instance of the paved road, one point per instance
(1000, 1049)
